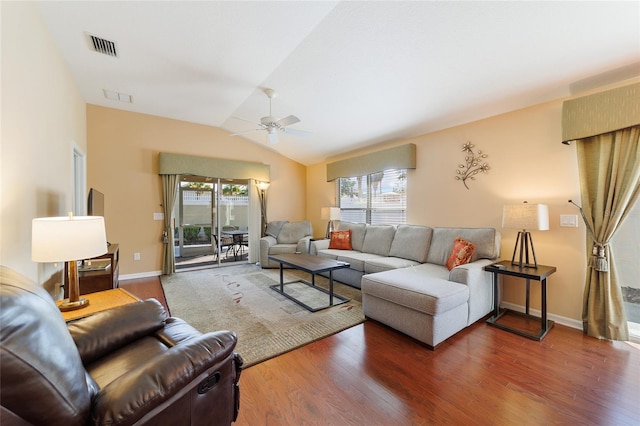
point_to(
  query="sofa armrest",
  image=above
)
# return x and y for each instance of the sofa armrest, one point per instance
(470, 273)
(303, 245)
(265, 244)
(480, 283)
(317, 245)
(107, 331)
(131, 396)
(268, 241)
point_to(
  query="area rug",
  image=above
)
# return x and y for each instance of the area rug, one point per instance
(238, 298)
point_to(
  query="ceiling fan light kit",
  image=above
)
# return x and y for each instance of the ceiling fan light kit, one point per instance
(273, 125)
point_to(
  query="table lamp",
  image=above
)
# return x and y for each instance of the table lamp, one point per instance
(330, 214)
(68, 239)
(525, 216)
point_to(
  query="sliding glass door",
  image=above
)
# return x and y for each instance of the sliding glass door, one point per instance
(211, 221)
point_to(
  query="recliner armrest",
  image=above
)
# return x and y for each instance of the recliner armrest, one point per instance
(176, 331)
(133, 395)
(104, 332)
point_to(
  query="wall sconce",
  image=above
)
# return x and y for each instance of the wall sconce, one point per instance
(330, 214)
(68, 239)
(262, 195)
(525, 216)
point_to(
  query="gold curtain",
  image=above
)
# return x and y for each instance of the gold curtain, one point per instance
(609, 166)
(169, 191)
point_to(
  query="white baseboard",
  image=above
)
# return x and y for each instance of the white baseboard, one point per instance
(634, 329)
(140, 275)
(569, 322)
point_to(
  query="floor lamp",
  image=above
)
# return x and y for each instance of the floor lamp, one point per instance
(525, 216)
(68, 239)
(262, 195)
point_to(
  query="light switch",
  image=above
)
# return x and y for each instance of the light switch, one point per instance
(569, 220)
(158, 216)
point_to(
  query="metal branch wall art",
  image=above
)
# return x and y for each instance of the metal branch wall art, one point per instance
(474, 164)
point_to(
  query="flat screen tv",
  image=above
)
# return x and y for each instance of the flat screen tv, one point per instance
(95, 203)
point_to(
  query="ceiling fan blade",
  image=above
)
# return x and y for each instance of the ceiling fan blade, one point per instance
(297, 132)
(287, 121)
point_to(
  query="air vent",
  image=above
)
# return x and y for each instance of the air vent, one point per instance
(102, 45)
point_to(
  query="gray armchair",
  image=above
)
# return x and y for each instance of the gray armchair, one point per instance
(284, 237)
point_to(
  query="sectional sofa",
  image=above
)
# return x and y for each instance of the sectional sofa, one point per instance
(405, 282)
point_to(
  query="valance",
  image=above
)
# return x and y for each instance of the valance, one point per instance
(399, 157)
(601, 113)
(181, 164)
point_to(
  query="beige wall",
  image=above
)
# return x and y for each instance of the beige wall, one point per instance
(528, 162)
(43, 118)
(122, 163)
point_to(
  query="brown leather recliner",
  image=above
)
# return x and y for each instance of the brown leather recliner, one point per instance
(129, 365)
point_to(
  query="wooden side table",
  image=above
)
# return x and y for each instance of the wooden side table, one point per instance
(539, 274)
(100, 301)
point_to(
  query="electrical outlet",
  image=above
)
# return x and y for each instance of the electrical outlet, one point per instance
(136, 256)
(158, 216)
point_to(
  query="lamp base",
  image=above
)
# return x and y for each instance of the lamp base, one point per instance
(68, 305)
(523, 241)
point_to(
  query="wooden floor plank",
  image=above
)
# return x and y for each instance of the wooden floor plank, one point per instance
(373, 375)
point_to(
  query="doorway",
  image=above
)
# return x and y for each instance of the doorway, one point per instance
(211, 222)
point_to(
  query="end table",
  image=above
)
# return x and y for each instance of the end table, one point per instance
(528, 273)
(100, 301)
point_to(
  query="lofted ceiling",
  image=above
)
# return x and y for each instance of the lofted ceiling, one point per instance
(356, 73)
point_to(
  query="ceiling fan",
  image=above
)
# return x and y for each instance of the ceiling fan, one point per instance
(273, 125)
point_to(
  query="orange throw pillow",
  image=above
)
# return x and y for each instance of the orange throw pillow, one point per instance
(340, 240)
(460, 253)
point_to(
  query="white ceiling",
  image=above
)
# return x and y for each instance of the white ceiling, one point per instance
(356, 73)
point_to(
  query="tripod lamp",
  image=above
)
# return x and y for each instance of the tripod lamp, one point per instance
(525, 217)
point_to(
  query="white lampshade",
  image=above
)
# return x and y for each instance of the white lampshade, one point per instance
(62, 239)
(330, 213)
(526, 216)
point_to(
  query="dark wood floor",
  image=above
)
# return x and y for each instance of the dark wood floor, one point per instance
(372, 375)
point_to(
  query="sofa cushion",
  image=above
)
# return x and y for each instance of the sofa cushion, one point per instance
(372, 266)
(340, 240)
(356, 259)
(486, 240)
(273, 228)
(413, 289)
(461, 253)
(411, 242)
(282, 249)
(378, 239)
(292, 232)
(357, 233)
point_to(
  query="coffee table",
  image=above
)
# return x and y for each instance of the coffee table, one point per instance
(313, 265)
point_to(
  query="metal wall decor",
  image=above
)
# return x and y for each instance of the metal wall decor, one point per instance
(474, 164)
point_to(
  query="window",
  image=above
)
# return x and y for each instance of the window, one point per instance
(627, 252)
(377, 198)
